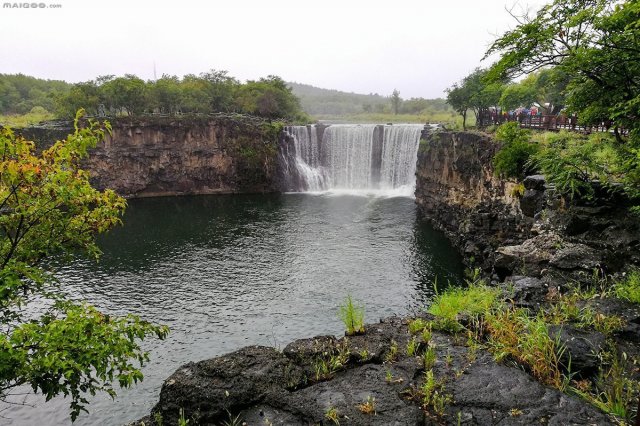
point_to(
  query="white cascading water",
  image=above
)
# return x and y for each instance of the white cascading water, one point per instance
(356, 159)
(399, 156)
(349, 156)
(305, 140)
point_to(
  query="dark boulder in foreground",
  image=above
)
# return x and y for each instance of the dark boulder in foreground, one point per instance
(260, 385)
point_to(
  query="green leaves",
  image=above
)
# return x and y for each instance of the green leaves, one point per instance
(593, 47)
(352, 315)
(474, 92)
(574, 164)
(74, 350)
(48, 209)
(555, 33)
(513, 158)
(213, 91)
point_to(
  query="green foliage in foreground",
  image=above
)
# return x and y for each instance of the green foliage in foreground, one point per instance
(523, 336)
(579, 166)
(573, 163)
(629, 287)
(49, 210)
(595, 45)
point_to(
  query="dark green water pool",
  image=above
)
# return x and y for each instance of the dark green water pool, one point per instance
(228, 271)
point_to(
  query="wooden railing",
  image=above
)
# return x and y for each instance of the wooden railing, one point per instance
(547, 122)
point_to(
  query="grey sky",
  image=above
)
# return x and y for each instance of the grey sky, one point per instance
(418, 47)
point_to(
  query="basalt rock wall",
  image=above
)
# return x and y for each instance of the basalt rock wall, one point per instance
(177, 156)
(457, 190)
(518, 229)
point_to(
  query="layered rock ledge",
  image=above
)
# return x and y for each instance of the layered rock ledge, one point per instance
(261, 385)
(163, 156)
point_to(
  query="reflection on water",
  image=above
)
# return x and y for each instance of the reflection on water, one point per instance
(228, 271)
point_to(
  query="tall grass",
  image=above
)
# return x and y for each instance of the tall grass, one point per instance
(629, 287)
(352, 315)
(474, 300)
(516, 335)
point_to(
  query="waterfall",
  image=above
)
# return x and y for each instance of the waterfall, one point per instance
(365, 158)
(307, 152)
(399, 156)
(349, 149)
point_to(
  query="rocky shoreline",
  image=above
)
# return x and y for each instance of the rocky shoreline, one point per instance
(528, 240)
(262, 385)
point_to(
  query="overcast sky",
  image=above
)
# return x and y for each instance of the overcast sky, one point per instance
(418, 47)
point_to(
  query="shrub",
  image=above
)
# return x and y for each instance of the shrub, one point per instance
(512, 161)
(574, 163)
(352, 316)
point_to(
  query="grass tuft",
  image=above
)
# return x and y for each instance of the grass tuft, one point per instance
(629, 287)
(352, 315)
(474, 300)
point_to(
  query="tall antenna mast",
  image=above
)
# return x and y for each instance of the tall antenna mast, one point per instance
(155, 77)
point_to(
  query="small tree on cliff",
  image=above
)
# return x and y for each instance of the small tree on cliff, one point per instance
(474, 92)
(49, 210)
(269, 97)
(459, 99)
(395, 101)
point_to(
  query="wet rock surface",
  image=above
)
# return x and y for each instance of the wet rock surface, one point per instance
(580, 348)
(260, 385)
(458, 193)
(540, 232)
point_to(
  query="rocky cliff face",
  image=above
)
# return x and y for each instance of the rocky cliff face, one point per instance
(175, 156)
(509, 230)
(458, 192)
(220, 155)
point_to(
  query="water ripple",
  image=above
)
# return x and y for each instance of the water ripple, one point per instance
(227, 271)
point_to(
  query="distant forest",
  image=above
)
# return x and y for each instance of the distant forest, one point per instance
(214, 91)
(326, 102)
(19, 93)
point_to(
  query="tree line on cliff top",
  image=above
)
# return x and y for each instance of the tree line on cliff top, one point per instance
(582, 57)
(213, 91)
